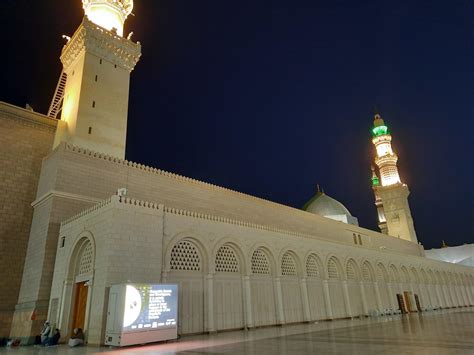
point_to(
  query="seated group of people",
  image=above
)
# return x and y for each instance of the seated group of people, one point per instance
(48, 338)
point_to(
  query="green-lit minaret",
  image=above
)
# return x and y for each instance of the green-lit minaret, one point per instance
(391, 195)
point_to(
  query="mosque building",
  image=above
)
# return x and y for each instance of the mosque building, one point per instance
(80, 218)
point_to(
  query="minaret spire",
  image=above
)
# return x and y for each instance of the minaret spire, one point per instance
(386, 159)
(391, 195)
(94, 84)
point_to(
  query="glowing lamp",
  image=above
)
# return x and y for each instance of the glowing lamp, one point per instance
(379, 131)
(375, 181)
(108, 14)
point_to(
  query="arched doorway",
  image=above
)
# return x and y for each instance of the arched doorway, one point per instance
(81, 275)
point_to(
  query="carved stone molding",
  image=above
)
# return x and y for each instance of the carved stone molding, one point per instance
(102, 43)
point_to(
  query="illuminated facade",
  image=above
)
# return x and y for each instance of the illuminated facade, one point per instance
(391, 195)
(95, 220)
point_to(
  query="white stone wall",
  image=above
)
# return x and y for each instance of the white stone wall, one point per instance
(234, 274)
(127, 247)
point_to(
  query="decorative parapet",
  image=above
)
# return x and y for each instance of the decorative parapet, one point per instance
(98, 155)
(102, 43)
(88, 211)
(236, 222)
(139, 203)
(109, 201)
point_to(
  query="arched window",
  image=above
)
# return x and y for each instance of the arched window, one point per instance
(405, 275)
(226, 260)
(333, 271)
(185, 257)
(414, 276)
(351, 270)
(382, 273)
(86, 260)
(312, 268)
(288, 265)
(367, 274)
(394, 273)
(260, 264)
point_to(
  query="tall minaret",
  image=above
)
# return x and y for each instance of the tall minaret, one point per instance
(391, 195)
(94, 84)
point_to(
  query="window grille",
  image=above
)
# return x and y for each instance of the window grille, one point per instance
(185, 257)
(226, 261)
(260, 263)
(333, 272)
(86, 260)
(312, 269)
(288, 265)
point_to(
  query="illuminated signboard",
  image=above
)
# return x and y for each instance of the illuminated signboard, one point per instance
(141, 313)
(150, 307)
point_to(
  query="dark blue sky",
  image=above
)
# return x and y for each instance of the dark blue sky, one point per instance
(272, 97)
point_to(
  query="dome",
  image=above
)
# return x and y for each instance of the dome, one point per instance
(325, 206)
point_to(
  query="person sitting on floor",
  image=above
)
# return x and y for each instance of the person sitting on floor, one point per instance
(77, 338)
(53, 340)
(44, 334)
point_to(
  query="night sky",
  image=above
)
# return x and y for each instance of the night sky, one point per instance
(272, 97)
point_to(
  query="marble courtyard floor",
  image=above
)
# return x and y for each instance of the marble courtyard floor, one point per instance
(438, 332)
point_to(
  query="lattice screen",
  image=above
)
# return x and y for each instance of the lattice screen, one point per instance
(288, 265)
(394, 273)
(406, 277)
(431, 278)
(382, 273)
(86, 261)
(351, 271)
(185, 257)
(424, 278)
(333, 272)
(366, 273)
(226, 261)
(312, 269)
(260, 263)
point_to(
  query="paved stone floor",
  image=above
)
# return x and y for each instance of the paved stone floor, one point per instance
(439, 332)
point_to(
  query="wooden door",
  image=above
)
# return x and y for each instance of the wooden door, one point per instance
(80, 306)
(407, 298)
(401, 303)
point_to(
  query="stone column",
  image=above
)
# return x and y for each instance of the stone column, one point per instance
(364, 299)
(434, 295)
(327, 300)
(304, 296)
(65, 306)
(412, 298)
(347, 302)
(247, 302)
(452, 293)
(446, 297)
(90, 290)
(469, 299)
(438, 293)
(464, 294)
(377, 295)
(279, 301)
(210, 303)
(392, 296)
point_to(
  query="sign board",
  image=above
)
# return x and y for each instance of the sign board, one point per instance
(142, 313)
